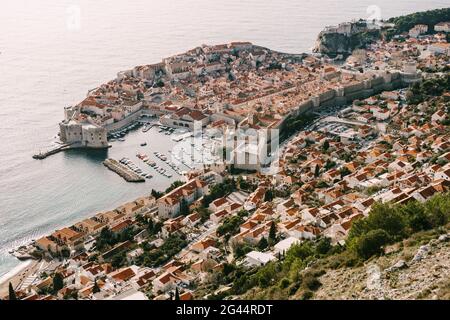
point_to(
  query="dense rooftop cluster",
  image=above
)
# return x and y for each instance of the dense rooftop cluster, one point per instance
(392, 147)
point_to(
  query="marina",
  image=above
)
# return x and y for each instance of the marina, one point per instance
(120, 134)
(133, 167)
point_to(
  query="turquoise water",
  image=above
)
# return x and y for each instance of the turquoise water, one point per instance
(54, 51)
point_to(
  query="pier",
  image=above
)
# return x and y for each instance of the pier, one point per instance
(42, 155)
(122, 171)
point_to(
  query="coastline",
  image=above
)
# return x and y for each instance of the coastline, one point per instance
(71, 186)
(161, 143)
(336, 99)
(16, 275)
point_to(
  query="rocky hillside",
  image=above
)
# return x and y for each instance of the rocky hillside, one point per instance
(334, 41)
(413, 269)
(416, 268)
(333, 44)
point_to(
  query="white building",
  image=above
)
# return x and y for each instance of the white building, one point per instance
(381, 114)
(131, 294)
(256, 258)
(169, 205)
(284, 245)
(417, 30)
(442, 27)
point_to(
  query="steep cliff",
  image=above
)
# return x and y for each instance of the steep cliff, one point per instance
(335, 43)
(346, 37)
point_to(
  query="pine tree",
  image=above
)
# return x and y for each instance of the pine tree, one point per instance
(272, 232)
(317, 171)
(326, 145)
(12, 293)
(184, 208)
(96, 287)
(177, 294)
(58, 282)
(268, 196)
(262, 244)
(150, 226)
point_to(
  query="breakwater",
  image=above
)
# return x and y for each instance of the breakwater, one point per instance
(122, 171)
(44, 154)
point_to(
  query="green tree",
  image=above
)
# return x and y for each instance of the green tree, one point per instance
(324, 245)
(150, 226)
(344, 172)
(12, 293)
(174, 185)
(177, 294)
(322, 184)
(118, 260)
(184, 208)
(219, 190)
(415, 216)
(156, 194)
(317, 171)
(65, 252)
(329, 164)
(105, 239)
(273, 232)
(268, 196)
(303, 251)
(241, 250)
(263, 244)
(371, 243)
(230, 226)
(58, 282)
(96, 288)
(204, 213)
(326, 145)
(74, 295)
(382, 216)
(437, 210)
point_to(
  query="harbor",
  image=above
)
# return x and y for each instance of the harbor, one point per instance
(83, 171)
(165, 164)
(170, 164)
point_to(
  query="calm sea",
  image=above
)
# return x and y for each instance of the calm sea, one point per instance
(53, 51)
